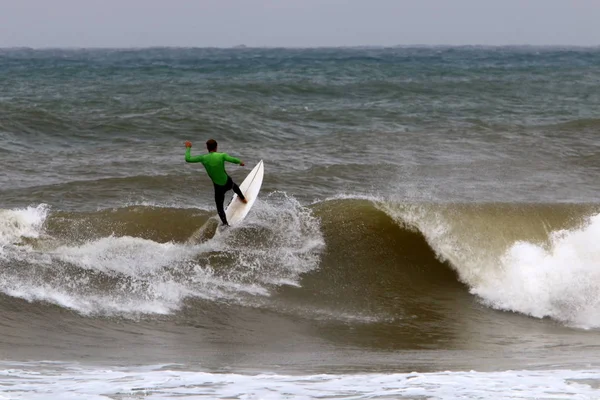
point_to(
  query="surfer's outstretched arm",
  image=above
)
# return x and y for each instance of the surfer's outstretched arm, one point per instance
(233, 160)
(192, 159)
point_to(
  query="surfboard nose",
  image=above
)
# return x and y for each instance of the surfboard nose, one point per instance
(237, 210)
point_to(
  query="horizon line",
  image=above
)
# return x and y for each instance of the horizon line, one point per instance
(246, 47)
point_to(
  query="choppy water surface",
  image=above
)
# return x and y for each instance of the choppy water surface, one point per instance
(425, 212)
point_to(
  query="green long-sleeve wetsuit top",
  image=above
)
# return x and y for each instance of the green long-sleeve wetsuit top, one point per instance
(214, 163)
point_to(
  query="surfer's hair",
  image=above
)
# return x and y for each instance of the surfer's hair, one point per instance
(211, 144)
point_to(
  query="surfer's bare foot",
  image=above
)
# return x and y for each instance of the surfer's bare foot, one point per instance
(244, 201)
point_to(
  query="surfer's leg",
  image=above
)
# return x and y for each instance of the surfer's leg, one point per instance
(219, 199)
(236, 190)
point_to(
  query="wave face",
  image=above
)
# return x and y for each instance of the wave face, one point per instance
(540, 260)
(334, 259)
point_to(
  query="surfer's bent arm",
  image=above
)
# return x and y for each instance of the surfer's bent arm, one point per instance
(192, 159)
(234, 160)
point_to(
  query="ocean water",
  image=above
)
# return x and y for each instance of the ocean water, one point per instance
(427, 227)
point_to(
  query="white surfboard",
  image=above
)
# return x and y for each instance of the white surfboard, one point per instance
(236, 210)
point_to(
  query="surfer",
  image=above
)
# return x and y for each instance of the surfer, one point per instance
(214, 163)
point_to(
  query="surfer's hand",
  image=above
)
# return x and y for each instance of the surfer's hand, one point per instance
(242, 164)
(188, 144)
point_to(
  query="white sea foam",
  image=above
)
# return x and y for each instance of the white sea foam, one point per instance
(560, 279)
(278, 242)
(73, 381)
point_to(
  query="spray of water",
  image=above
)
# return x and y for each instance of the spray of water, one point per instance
(124, 275)
(558, 277)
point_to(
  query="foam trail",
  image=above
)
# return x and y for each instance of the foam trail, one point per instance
(147, 277)
(561, 280)
(127, 275)
(67, 276)
(126, 255)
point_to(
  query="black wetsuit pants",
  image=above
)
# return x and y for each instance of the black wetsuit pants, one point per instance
(220, 191)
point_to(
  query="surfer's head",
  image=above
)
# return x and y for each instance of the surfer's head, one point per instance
(211, 145)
